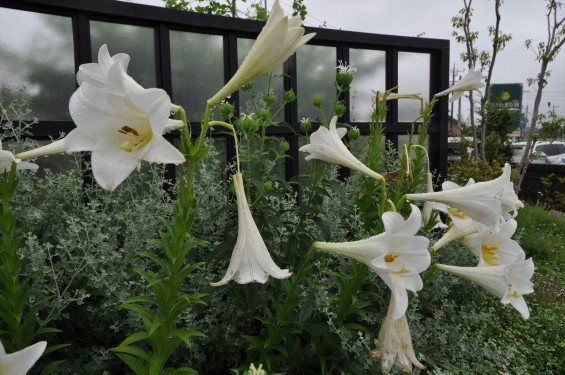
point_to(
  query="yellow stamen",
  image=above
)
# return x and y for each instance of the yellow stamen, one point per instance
(457, 213)
(142, 139)
(488, 250)
(390, 258)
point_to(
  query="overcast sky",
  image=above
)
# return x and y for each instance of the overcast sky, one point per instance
(524, 19)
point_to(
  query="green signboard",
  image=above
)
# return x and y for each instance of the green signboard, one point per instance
(507, 95)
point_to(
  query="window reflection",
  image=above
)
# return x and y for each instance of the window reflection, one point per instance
(37, 52)
(369, 77)
(197, 68)
(315, 76)
(413, 77)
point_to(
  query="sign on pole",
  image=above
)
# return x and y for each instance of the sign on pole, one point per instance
(507, 95)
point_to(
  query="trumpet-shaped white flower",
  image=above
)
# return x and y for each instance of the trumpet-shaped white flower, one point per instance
(509, 282)
(96, 74)
(397, 255)
(495, 248)
(510, 201)
(7, 158)
(325, 144)
(250, 260)
(471, 81)
(19, 363)
(278, 40)
(394, 345)
(481, 201)
(119, 121)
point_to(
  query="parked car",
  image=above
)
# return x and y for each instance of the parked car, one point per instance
(549, 152)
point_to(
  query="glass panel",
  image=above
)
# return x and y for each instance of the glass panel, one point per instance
(36, 51)
(316, 76)
(403, 140)
(197, 68)
(370, 76)
(137, 41)
(413, 77)
(261, 84)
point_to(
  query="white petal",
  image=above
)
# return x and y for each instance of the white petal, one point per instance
(19, 363)
(156, 104)
(161, 151)
(111, 165)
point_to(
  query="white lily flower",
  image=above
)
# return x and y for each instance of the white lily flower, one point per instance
(278, 40)
(430, 206)
(481, 201)
(121, 127)
(520, 284)
(250, 260)
(394, 345)
(96, 74)
(471, 81)
(510, 201)
(19, 363)
(509, 282)
(495, 248)
(397, 255)
(7, 158)
(325, 144)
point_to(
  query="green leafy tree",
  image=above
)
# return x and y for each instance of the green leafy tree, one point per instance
(545, 53)
(552, 125)
(499, 123)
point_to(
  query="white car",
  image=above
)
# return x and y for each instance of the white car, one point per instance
(554, 151)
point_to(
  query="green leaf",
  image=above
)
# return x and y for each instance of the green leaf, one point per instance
(138, 336)
(50, 367)
(186, 334)
(132, 363)
(131, 350)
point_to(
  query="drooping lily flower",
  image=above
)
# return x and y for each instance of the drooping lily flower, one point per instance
(7, 158)
(278, 40)
(509, 282)
(19, 363)
(481, 201)
(250, 260)
(394, 345)
(495, 248)
(397, 255)
(471, 81)
(325, 144)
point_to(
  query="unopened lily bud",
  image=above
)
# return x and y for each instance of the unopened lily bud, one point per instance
(247, 124)
(227, 110)
(289, 96)
(340, 108)
(284, 146)
(269, 97)
(305, 125)
(264, 116)
(353, 133)
(247, 87)
(318, 102)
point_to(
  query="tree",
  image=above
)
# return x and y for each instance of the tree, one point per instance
(545, 53)
(229, 8)
(552, 125)
(485, 59)
(499, 122)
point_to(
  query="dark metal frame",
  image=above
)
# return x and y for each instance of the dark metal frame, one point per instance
(163, 20)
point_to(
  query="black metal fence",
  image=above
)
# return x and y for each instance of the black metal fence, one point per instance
(191, 56)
